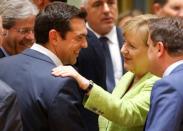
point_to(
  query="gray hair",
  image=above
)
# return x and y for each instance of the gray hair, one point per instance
(11, 10)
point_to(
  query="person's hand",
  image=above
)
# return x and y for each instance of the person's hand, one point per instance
(64, 71)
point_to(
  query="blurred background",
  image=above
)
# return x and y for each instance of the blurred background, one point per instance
(125, 5)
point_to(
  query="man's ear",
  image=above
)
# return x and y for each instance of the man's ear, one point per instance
(82, 8)
(53, 37)
(160, 49)
(156, 8)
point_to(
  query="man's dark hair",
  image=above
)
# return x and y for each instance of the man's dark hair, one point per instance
(56, 15)
(161, 2)
(169, 31)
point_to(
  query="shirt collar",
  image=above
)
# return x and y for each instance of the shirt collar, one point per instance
(112, 35)
(48, 53)
(172, 67)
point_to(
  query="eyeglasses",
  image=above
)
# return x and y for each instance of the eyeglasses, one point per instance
(24, 31)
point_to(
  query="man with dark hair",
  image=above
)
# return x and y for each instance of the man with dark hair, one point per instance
(42, 3)
(166, 60)
(49, 103)
(168, 7)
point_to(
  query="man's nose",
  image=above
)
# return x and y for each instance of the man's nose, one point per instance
(84, 44)
(30, 35)
(106, 7)
(180, 13)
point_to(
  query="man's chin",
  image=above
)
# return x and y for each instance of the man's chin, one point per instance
(106, 29)
(26, 45)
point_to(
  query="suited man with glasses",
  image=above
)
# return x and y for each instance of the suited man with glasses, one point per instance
(18, 22)
(10, 118)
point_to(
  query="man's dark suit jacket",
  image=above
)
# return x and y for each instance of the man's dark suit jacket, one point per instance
(47, 103)
(166, 110)
(91, 64)
(10, 119)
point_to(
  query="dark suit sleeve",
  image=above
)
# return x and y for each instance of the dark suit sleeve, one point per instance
(10, 119)
(166, 108)
(65, 110)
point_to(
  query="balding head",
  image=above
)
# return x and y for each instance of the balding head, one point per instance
(101, 14)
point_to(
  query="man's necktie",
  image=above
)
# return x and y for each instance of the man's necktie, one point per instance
(109, 66)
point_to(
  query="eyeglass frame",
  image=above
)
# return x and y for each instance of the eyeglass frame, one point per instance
(24, 31)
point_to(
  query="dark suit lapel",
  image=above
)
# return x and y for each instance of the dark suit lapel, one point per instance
(120, 40)
(97, 52)
(93, 38)
(120, 36)
(95, 43)
(1, 53)
(37, 55)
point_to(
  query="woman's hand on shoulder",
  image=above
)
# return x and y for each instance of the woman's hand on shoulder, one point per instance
(64, 71)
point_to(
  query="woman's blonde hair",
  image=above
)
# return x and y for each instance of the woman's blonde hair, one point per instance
(139, 25)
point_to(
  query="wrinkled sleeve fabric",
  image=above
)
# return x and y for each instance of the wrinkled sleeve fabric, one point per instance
(126, 112)
(65, 111)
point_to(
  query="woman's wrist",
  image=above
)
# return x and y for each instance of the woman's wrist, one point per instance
(89, 87)
(83, 82)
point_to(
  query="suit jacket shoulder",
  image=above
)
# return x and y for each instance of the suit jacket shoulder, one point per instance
(47, 102)
(167, 103)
